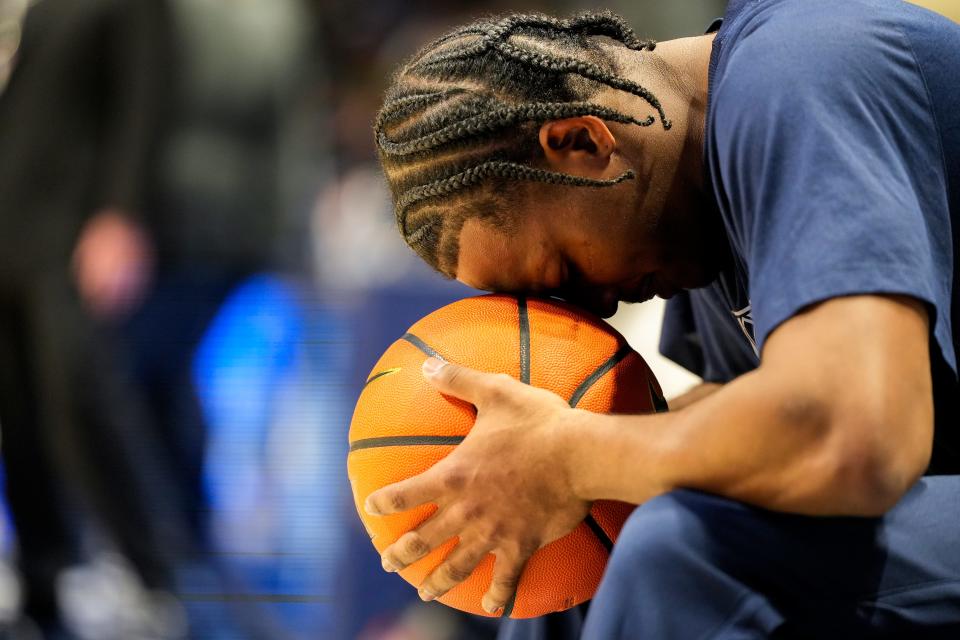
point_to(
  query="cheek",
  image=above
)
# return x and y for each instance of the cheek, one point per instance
(615, 265)
(643, 254)
(612, 254)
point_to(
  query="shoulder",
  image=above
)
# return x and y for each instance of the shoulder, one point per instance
(819, 78)
(814, 50)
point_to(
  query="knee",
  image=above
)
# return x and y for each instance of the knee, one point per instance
(681, 547)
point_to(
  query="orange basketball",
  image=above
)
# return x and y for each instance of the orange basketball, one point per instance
(402, 426)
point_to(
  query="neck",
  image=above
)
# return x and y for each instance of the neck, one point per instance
(677, 71)
(688, 61)
(685, 69)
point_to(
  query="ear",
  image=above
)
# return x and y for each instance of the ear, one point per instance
(579, 146)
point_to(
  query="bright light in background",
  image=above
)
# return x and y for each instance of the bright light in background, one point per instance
(640, 324)
(271, 375)
(949, 8)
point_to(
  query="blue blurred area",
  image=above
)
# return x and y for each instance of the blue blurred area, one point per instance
(247, 355)
(278, 372)
(270, 373)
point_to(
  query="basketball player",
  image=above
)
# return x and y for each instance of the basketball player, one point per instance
(791, 181)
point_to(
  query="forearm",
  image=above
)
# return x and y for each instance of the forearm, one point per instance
(749, 441)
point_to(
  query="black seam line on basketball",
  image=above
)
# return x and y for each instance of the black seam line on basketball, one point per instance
(385, 372)
(405, 441)
(659, 403)
(599, 532)
(423, 346)
(524, 321)
(591, 380)
(508, 608)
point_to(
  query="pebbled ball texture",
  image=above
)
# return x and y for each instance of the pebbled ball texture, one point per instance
(401, 426)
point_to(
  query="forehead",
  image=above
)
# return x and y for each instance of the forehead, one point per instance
(494, 260)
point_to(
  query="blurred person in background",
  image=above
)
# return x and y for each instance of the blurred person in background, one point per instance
(80, 112)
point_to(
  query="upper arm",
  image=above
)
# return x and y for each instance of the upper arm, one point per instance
(861, 365)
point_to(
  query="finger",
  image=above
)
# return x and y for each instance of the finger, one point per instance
(506, 576)
(456, 568)
(414, 545)
(475, 387)
(403, 495)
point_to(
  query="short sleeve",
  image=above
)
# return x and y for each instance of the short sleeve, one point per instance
(827, 155)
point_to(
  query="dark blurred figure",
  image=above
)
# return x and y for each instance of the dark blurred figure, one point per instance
(79, 119)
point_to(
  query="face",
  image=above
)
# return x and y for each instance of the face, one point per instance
(653, 235)
(591, 249)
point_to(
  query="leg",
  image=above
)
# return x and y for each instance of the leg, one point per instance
(44, 543)
(563, 625)
(663, 581)
(98, 433)
(693, 565)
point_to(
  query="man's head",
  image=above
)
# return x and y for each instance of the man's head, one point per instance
(527, 153)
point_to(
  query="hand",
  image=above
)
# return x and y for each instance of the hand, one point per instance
(504, 490)
(111, 263)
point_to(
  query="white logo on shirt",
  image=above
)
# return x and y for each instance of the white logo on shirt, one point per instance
(744, 318)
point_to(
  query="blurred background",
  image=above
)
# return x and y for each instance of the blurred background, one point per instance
(198, 268)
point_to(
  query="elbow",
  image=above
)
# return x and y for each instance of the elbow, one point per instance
(875, 464)
(867, 450)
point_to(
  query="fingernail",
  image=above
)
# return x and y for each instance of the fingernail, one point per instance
(370, 508)
(387, 566)
(432, 365)
(425, 595)
(489, 607)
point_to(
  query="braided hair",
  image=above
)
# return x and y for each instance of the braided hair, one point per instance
(459, 125)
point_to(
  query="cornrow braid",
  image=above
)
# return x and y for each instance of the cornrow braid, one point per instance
(495, 37)
(460, 122)
(468, 106)
(581, 68)
(500, 169)
(501, 118)
(595, 24)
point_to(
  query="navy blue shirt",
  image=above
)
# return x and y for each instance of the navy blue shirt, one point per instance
(832, 144)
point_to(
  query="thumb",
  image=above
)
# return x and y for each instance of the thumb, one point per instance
(458, 381)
